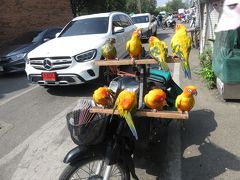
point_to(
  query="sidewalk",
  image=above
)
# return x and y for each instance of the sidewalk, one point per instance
(210, 143)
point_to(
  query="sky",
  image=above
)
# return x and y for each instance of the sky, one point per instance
(161, 2)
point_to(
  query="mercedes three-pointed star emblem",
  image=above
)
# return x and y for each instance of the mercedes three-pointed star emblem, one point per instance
(47, 64)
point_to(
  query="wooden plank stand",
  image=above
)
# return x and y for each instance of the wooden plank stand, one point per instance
(144, 73)
(146, 113)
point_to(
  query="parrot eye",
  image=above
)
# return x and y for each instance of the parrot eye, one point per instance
(189, 90)
(232, 6)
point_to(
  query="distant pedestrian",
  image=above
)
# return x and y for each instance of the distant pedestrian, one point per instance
(159, 19)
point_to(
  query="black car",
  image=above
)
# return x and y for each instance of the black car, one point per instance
(12, 55)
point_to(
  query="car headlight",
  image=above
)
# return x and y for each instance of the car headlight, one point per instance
(86, 56)
(18, 57)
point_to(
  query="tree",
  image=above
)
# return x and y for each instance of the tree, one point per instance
(80, 7)
(176, 4)
(146, 6)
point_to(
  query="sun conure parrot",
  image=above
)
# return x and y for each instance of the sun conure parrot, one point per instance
(103, 96)
(185, 101)
(155, 99)
(109, 52)
(159, 51)
(125, 104)
(181, 47)
(134, 45)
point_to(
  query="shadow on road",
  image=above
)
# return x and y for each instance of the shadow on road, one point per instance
(73, 91)
(151, 157)
(211, 160)
(12, 82)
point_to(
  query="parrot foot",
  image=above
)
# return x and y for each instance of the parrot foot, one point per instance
(133, 61)
(154, 110)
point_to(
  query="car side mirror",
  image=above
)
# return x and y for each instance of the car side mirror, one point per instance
(118, 30)
(57, 34)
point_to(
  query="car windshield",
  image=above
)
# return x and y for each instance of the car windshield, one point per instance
(140, 19)
(28, 37)
(86, 26)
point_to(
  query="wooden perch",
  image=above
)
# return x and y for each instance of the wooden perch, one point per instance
(124, 62)
(146, 113)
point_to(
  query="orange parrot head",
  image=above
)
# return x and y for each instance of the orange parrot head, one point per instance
(139, 31)
(103, 96)
(155, 99)
(127, 100)
(135, 34)
(190, 90)
(180, 27)
(152, 40)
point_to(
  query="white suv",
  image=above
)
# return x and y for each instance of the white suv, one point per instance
(147, 23)
(69, 58)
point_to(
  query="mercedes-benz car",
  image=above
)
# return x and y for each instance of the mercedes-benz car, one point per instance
(13, 53)
(69, 58)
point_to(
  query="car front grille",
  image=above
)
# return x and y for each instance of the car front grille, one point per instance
(51, 63)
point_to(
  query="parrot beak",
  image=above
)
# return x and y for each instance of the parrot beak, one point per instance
(194, 93)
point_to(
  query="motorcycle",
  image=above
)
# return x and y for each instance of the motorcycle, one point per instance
(167, 24)
(105, 142)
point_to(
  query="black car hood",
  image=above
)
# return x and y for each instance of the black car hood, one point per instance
(11, 50)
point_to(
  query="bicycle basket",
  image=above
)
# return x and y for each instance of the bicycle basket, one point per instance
(86, 128)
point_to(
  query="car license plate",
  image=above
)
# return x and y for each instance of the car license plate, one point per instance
(49, 76)
(1, 68)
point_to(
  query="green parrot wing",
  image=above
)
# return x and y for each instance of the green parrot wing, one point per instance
(178, 101)
(155, 53)
(128, 117)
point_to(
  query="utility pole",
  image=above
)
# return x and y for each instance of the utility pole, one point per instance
(139, 6)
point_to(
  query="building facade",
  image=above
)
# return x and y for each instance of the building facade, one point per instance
(18, 17)
(209, 13)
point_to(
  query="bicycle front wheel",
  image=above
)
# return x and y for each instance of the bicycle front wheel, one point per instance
(94, 168)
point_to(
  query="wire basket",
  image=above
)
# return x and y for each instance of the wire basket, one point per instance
(86, 128)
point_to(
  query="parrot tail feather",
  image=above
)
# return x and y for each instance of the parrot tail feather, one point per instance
(187, 74)
(128, 118)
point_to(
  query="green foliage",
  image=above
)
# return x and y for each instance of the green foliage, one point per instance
(206, 68)
(80, 7)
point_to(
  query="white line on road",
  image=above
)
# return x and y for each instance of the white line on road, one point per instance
(18, 95)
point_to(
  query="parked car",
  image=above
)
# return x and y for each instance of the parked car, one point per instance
(12, 55)
(69, 58)
(147, 23)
